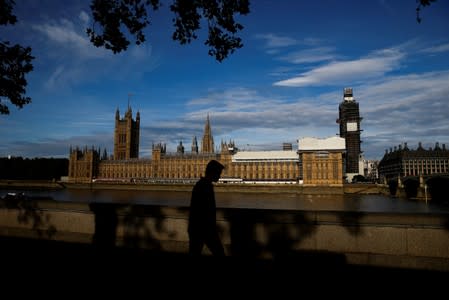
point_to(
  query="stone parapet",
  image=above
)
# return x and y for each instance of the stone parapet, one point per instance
(415, 241)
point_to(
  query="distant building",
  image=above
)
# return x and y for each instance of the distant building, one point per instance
(402, 161)
(370, 170)
(322, 161)
(349, 120)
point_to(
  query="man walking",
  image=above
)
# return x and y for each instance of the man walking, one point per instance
(202, 227)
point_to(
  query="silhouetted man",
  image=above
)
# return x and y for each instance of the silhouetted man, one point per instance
(202, 219)
(106, 221)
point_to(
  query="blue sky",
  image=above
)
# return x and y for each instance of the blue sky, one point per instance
(284, 84)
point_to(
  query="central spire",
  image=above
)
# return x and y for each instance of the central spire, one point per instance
(207, 145)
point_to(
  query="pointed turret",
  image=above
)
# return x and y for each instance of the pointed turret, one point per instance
(180, 148)
(129, 113)
(194, 145)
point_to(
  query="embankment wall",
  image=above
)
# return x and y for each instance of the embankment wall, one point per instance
(417, 241)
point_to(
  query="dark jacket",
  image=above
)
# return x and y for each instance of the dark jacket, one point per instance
(202, 217)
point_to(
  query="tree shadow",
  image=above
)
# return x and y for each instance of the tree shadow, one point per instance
(29, 212)
(351, 221)
(139, 232)
(267, 238)
(138, 227)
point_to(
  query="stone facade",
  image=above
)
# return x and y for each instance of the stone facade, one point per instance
(126, 136)
(83, 164)
(265, 166)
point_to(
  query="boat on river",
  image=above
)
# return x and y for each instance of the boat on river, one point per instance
(21, 196)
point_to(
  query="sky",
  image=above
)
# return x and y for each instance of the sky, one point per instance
(286, 82)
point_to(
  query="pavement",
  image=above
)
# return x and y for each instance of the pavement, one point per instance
(55, 263)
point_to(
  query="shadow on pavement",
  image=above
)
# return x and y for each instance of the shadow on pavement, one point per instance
(30, 259)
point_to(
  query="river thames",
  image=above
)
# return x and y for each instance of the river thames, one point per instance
(282, 201)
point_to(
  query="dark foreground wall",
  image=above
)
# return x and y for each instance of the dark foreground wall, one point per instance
(414, 241)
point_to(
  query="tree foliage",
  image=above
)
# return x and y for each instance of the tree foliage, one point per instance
(15, 63)
(421, 3)
(111, 17)
(33, 168)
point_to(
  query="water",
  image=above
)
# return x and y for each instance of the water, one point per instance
(347, 202)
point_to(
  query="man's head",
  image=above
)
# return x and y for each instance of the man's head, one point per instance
(213, 170)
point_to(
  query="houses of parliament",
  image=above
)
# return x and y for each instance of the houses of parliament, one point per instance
(317, 162)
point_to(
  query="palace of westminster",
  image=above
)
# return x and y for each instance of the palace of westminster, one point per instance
(317, 162)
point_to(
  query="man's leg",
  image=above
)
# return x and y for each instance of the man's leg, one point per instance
(195, 245)
(215, 246)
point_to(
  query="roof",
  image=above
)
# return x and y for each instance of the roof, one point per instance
(264, 155)
(312, 144)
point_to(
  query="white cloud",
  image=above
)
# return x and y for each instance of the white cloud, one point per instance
(340, 72)
(276, 41)
(240, 98)
(200, 101)
(75, 60)
(54, 80)
(310, 55)
(437, 49)
(399, 91)
(65, 35)
(245, 108)
(84, 17)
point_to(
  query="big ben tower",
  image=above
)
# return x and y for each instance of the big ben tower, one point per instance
(349, 119)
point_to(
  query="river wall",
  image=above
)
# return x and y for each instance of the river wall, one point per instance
(401, 240)
(31, 184)
(220, 187)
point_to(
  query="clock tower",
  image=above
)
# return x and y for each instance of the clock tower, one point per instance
(349, 120)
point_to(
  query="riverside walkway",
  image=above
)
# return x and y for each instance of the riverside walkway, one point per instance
(29, 258)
